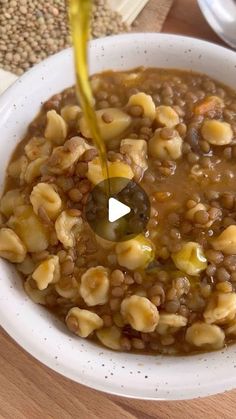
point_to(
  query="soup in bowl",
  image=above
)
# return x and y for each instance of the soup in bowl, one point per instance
(168, 290)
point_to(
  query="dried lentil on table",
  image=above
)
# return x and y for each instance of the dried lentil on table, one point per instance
(31, 30)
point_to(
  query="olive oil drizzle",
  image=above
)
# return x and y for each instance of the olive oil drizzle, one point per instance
(79, 15)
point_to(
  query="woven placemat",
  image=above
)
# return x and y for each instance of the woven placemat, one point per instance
(153, 16)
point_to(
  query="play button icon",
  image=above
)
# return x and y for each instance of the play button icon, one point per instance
(116, 210)
(119, 215)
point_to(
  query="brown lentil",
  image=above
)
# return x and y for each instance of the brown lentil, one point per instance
(125, 344)
(172, 306)
(75, 195)
(214, 256)
(115, 304)
(117, 292)
(67, 267)
(107, 320)
(137, 343)
(167, 133)
(230, 263)
(201, 217)
(227, 200)
(73, 212)
(117, 278)
(136, 110)
(89, 155)
(211, 270)
(81, 168)
(107, 117)
(222, 274)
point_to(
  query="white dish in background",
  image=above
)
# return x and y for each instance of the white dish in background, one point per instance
(128, 9)
(36, 330)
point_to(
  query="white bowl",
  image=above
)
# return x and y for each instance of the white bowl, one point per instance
(43, 336)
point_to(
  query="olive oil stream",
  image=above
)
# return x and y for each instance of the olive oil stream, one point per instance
(79, 15)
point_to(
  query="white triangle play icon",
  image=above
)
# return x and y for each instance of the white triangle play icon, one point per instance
(116, 210)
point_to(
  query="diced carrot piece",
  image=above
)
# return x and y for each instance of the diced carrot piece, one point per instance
(208, 104)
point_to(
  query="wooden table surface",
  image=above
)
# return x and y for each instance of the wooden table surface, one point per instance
(29, 390)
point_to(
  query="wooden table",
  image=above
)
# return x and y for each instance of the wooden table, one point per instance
(29, 390)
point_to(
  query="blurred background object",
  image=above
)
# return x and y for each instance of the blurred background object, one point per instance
(221, 16)
(129, 10)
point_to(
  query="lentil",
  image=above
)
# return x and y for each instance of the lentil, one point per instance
(201, 217)
(222, 274)
(67, 267)
(75, 195)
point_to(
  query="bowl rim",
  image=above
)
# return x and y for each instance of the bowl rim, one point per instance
(5, 99)
(107, 40)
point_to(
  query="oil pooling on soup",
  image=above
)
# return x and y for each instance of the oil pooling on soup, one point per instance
(79, 14)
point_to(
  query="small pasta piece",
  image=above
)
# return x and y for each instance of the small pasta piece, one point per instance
(63, 157)
(205, 335)
(38, 147)
(170, 323)
(217, 132)
(17, 168)
(68, 228)
(67, 287)
(110, 337)
(135, 253)
(190, 259)
(37, 296)
(145, 102)
(11, 247)
(95, 284)
(221, 308)
(56, 128)
(140, 313)
(111, 231)
(164, 149)
(112, 123)
(136, 150)
(83, 322)
(116, 169)
(167, 116)
(44, 196)
(31, 231)
(48, 272)
(33, 170)
(172, 320)
(11, 200)
(226, 241)
(70, 113)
